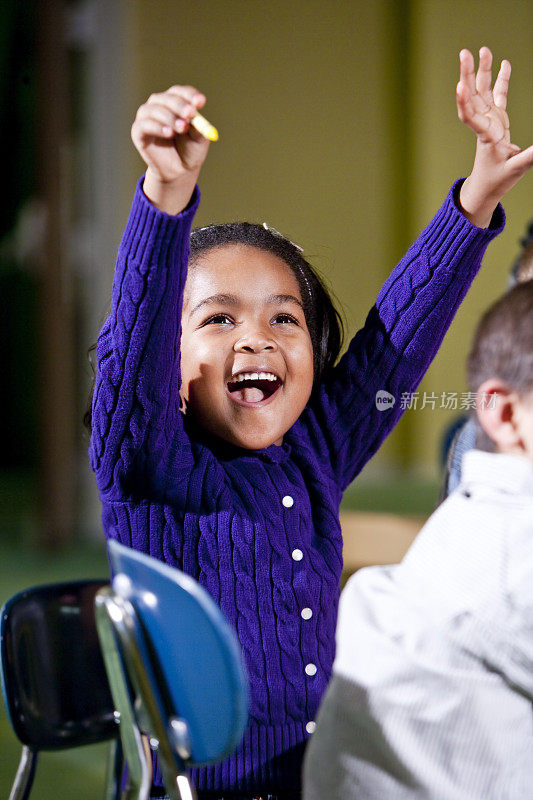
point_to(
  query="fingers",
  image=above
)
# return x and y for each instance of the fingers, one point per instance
(501, 86)
(467, 75)
(472, 109)
(480, 83)
(172, 114)
(469, 100)
(484, 74)
(490, 128)
(476, 105)
(167, 113)
(189, 93)
(523, 160)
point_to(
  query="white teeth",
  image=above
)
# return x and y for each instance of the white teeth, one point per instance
(254, 376)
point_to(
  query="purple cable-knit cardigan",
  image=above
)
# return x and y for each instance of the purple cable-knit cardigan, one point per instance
(259, 529)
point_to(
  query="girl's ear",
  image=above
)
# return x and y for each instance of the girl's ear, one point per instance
(496, 405)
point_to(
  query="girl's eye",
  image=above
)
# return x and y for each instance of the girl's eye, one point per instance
(218, 318)
(285, 318)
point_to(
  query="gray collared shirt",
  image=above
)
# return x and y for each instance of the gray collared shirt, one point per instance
(432, 690)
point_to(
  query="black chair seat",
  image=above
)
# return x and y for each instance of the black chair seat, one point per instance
(54, 682)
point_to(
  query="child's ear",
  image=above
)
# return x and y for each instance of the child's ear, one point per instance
(496, 406)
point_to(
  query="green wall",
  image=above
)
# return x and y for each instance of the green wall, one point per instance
(338, 126)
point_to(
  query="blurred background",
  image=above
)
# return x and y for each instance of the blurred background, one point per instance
(338, 127)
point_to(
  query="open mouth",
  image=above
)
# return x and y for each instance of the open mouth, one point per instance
(253, 387)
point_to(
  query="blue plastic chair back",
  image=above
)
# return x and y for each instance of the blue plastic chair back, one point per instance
(192, 650)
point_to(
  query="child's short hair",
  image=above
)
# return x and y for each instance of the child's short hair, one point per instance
(503, 347)
(323, 319)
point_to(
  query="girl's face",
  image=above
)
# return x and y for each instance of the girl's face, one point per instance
(246, 353)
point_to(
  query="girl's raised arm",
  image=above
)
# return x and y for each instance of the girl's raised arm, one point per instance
(136, 415)
(372, 384)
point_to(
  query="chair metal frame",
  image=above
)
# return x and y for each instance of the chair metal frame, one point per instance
(114, 620)
(25, 774)
(139, 702)
(171, 659)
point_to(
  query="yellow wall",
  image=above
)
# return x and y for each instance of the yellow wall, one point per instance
(338, 127)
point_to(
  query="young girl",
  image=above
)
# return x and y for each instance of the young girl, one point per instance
(228, 457)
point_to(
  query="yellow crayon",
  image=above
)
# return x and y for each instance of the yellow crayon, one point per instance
(205, 128)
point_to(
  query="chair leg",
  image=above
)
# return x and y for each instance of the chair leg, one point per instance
(140, 772)
(185, 790)
(25, 773)
(114, 771)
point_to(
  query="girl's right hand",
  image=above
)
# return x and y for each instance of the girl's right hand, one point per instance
(172, 149)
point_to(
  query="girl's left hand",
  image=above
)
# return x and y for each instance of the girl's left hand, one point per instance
(498, 164)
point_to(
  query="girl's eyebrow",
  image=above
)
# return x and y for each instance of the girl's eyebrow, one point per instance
(233, 300)
(279, 299)
(221, 299)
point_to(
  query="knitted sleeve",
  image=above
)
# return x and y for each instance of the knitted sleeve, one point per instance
(359, 403)
(136, 419)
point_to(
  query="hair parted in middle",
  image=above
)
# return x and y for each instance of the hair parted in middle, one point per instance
(323, 320)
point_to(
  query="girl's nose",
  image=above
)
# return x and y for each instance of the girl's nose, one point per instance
(254, 342)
